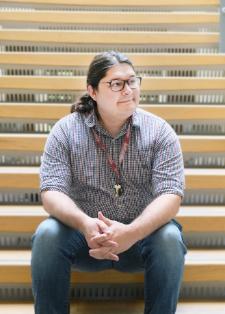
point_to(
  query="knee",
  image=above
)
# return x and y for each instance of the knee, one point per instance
(166, 245)
(48, 233)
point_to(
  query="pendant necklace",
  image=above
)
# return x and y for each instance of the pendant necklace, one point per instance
(118, 185)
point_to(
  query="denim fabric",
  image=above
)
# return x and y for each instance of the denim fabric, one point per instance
(58, 248)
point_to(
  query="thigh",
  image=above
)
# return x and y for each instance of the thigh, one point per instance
(52, 238)
(130, 260)
(165, 244)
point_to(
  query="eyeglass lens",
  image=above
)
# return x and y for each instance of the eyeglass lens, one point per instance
(118, 85)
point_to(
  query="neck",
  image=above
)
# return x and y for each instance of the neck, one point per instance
(113, 126)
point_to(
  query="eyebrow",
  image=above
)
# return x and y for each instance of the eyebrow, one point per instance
(119, 78)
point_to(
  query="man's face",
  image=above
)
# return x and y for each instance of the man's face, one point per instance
(116, 103)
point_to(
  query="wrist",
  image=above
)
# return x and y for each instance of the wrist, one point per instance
(134, 232)
(82, 222)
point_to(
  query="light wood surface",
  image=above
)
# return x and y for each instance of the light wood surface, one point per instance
(137, 18)
(28, 177)
(138, 59)
(121, 307)
(108, 37)
(56, 111)
(26, 218)
(35, 143)
(200, 265)
(76, 83)
(147, 3)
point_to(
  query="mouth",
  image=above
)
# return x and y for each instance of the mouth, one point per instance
(126, 100)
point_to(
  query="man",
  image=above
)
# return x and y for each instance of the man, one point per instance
(112, 181)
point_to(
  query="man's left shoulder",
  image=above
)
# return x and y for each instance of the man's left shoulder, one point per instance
(146, 116)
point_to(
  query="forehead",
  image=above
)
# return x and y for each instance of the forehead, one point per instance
(120, 71)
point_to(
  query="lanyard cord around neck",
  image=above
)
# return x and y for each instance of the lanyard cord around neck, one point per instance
(110, 161)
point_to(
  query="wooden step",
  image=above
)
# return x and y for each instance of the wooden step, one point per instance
(138, 59)
(26, 218)
(35, 143)
(200, 266)
(202, 218)
(104, 18)
(16, 36)
(56, 111)
(121, 307)
(153, 84)
(19, 218)
(128, 3)
(28, 178)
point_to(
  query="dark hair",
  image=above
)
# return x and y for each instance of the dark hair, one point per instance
(97, 70)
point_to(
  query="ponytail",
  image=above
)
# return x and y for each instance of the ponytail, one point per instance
(84, 104)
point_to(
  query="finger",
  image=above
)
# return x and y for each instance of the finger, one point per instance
(103, 254)
(104, 228)
(110, 243)
(112, 257)
(100, 237)
(96, 253)
(107, 221)
(99, 252)
(103, 241)
(93, 244)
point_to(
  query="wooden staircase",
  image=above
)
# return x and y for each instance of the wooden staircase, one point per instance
(46, 47)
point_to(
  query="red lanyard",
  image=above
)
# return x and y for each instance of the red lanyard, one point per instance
(111, 162)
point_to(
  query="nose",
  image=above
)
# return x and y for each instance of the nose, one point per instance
(126, 90)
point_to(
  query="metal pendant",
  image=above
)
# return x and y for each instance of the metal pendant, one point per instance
(118, 189)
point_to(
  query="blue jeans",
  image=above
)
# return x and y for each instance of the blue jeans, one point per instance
(57, 248)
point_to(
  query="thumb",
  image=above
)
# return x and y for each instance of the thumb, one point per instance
(107, 221)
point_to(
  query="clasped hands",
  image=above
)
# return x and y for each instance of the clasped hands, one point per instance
(108, 238)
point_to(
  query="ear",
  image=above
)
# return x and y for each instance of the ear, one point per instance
(91, 91)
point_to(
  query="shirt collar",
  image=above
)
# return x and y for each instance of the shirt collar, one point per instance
(91, 119)
(136, 119)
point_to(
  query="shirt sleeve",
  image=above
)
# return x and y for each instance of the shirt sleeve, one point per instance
(168, 165)
(55, 170)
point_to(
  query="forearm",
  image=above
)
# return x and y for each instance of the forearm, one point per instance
(62, 207)
(155, 215)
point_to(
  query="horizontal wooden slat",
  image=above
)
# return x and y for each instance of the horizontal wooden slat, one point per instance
(202, 218)
(22, 143)
(187, 112)
(35, 143)
(200, 265)
(23, 219)
(34, 111)
(109, 17)
(79, 83)
(122, 307)
(19, 177)
(205, 178)
(202, 144)
(84, 59)
(28, 177)
(128, 3)
(193, 218)
(56, 111)
(107, 37)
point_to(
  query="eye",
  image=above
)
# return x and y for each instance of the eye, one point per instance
(132, 80)
(117, 83)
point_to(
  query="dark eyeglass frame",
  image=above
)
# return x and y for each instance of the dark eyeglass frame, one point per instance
(124, 82)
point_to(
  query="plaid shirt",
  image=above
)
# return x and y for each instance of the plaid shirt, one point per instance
(74, 165)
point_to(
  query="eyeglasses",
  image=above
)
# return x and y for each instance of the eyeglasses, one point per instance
(118, 85)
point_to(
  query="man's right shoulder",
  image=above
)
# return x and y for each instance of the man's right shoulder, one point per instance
(69, 120)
